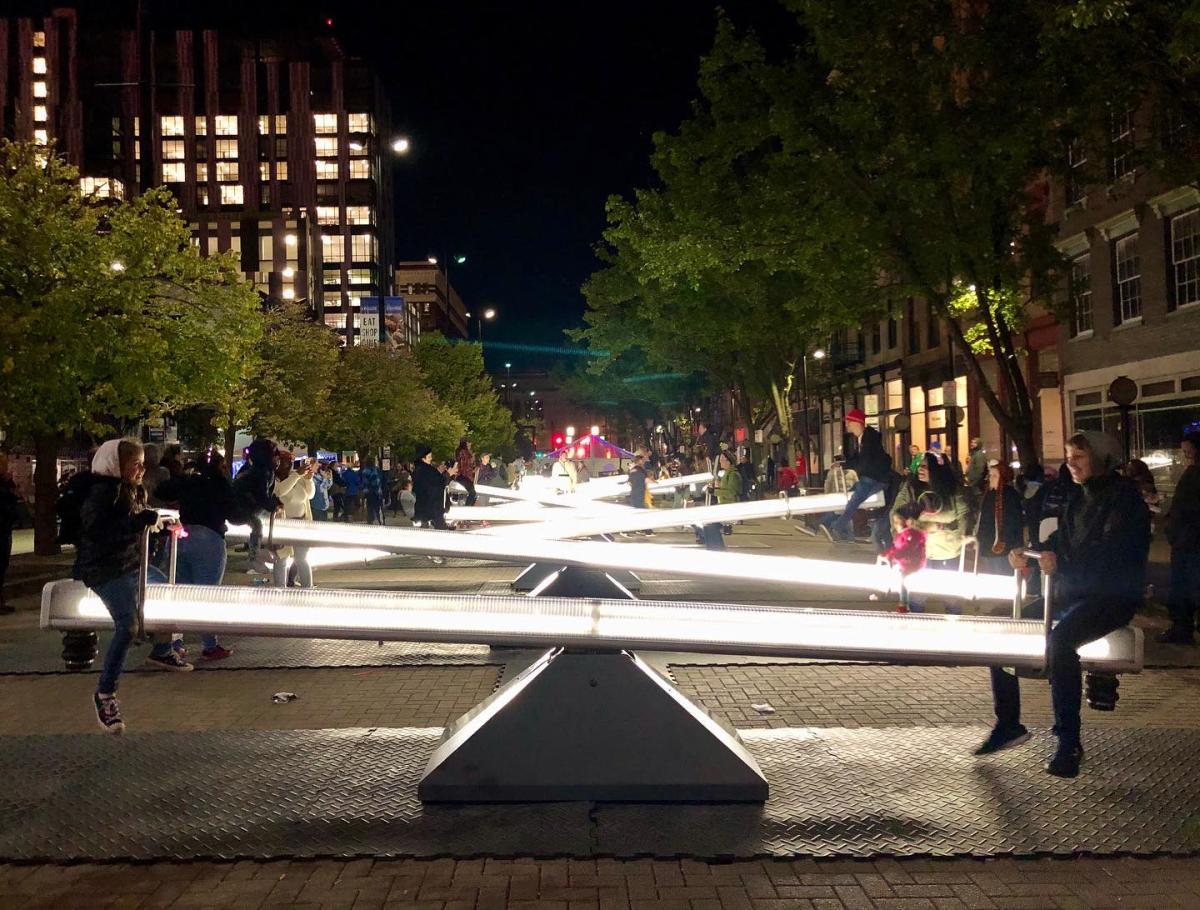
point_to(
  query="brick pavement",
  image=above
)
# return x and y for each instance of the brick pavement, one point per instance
(605, 884)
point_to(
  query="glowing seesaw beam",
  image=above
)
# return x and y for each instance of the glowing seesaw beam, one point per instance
(640, 557)
(545, 497)
(589, 623)
(556, 528)
(619, 486)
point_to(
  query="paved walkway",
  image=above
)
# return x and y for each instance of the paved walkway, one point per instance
(788, 695)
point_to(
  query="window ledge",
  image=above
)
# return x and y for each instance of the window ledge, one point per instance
(1192, 307)
(1082, 336)
(1128, 324)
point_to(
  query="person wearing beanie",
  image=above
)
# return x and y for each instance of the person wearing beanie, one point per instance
(1097, 562)
(874, 469)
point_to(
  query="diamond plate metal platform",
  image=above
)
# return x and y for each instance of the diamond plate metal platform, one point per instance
(834, 792)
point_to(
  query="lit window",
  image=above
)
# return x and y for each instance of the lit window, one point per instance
(325, 123)
(362, 247)
(227, 171)
(327, 214)
(359, 214)
(360, 169)
(1185, 257)
(225, 125)
(333, 248)
(1129, 279)
(173, 172)
(326, 170)
(331, 278)
(227, 148)
(360, 123)
(335, 320)
(281, 170)
(264, 124)
(281, 124)
(172, 149)
(101, 186)
(231, 194)
(202, 197)
(201, 126)
(39, 90)
(39, 66)
(264, 171)
(202, 173)
(39, 39)
(1081, 295)
(41, 137)
(327, 146)
(172, 126)
(360, 276)
(39, 113)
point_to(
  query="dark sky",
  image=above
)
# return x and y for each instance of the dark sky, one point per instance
(524, 118)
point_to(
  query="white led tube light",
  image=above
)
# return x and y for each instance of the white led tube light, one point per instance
(640, 557)
(590, 623)
(546, 497)
(607, 487)
(557, 528)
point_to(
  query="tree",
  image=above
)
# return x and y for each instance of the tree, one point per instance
(379, 398)
(901, 148)
(283, 389)
(109, 313)
(455, 374)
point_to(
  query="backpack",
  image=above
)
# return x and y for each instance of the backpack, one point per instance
(70, 507)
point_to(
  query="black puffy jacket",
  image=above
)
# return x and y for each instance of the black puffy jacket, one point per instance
(110, 533)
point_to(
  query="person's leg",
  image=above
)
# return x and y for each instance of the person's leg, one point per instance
(206, 566)
(1006, 698)
(1181, 603)
(319, 515)
(304, 575)
(864, 488)
(1083, 622)
(279, 571)
(470, 487)
(119, 597)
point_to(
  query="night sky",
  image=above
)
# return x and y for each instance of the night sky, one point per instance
(524, 118)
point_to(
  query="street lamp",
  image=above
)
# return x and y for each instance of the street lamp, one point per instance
(401, 145)
(818, 354)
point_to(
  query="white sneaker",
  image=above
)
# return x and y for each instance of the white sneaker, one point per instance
(108, 713)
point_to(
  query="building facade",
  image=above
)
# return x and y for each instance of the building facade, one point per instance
(277, 149)
(436, 304)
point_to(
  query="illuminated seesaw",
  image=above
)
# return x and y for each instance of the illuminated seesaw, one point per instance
(588, 719)
(581, 498)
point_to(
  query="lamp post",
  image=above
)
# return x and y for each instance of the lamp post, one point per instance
(818, 354)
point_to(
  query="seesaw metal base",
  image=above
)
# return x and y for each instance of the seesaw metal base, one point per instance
(580, 725)
(537, 573)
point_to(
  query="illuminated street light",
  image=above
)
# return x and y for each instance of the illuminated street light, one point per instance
(401, 146)
(117, 266)
(508, 366)
(460, 259)
(595, 430)
(489, 313)
(289, 272)
(819, 354)
(432, 260)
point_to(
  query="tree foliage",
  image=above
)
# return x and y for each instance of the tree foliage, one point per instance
(455, 374)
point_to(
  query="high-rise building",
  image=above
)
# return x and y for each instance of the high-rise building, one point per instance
(426, 286)
(278, 149)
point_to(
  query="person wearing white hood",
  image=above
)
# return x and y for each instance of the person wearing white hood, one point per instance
(108, 560)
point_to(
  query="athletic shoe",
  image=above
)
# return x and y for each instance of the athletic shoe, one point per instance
(1176, 636)
(169, 661)
(828, 533)
(215, 653)
(108, 713)
(1066, 761)
(1003, 738)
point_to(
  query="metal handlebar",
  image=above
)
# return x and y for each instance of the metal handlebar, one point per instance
(143, 571)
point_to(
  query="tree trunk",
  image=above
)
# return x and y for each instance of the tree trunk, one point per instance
(45, 491)
(230, 441)
(781, 398)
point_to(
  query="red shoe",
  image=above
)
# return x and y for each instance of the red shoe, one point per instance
(217, 653)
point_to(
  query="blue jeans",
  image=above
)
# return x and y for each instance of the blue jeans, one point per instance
(1084, 620)
(201, 562)
(864, 488)
(119, 596)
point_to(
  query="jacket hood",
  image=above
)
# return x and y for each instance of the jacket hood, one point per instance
(1107, 453)
(107, 460)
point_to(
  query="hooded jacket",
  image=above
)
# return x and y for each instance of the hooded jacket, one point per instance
(112, 518)
(429, 488)
(871, 460)
(255, 483)
(1103, 537)
(206, 499)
